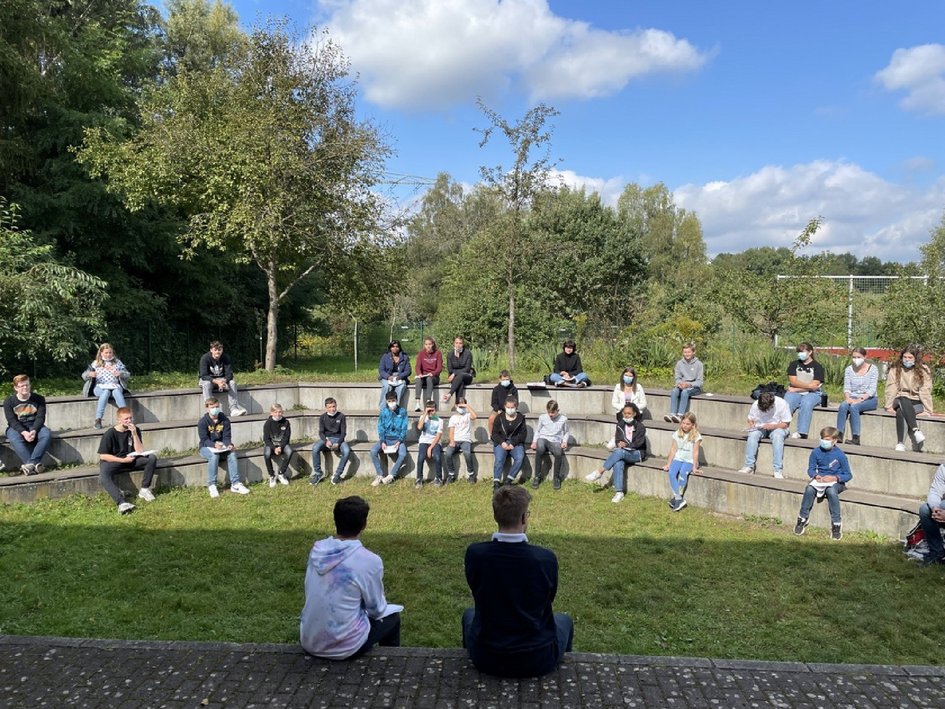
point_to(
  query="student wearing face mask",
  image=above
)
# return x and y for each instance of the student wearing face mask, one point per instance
(630, 436)
(909, 394)
(500, 392)
(216, 445)
(332, 430)
(859, 394)
(805, 376)
(829, 472)
(460, 439)
(391, 439)
(277, 432)
(508, 441)
(627, 391)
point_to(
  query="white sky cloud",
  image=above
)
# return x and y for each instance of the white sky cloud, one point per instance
(421, 54)
(920, 72)
(864, 214)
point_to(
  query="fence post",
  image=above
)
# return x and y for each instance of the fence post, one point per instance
(850, 315)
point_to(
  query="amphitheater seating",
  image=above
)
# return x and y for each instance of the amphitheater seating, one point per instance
(883, 498)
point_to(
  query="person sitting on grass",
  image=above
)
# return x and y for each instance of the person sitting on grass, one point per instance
(551, 436)
(121, 451)
(216, 444)
(568, 370)
(829, 472)
(630, 448)
(277, 432)
(508, 440)
(769, 417)
(25, 411)
(689, 375)
(683, 459)
(430, 426)
(332, 429)
(932, 519)
(513, 630)
(391, 439)
(345, 612)
(500, 392)
(460, 439)
(216, 375)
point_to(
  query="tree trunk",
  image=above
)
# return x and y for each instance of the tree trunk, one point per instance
(272, 318)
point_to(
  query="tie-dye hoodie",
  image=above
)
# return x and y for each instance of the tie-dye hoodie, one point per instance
(344, 587)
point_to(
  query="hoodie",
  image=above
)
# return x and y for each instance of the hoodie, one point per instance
(344, 589)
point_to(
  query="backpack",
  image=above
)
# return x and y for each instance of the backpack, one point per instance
(773, 387)
(915, 546)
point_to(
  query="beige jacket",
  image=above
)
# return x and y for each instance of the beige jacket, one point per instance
(907, 385)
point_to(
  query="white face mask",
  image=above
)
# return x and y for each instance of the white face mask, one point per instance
(826, 443)
(277, 417)
(510, 412)
(391, 405)
(858, 361)
(215, 411)
(626, 420)
(461, 410)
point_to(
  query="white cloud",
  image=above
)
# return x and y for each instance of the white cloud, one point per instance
(920, 72)
(864, 214)
(608, 189)
(418, 54)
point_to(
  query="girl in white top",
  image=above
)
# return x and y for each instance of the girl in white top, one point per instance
(627, 391)
(683, 458)
(107, 377)
(460, 438)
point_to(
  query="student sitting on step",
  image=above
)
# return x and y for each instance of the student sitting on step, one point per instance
(277, 432)
(551, 436)
(391, 439)
(500, 392)
(683, 458)
(460, 439)
(630, 437)
(829, 472)
(908, 395)
(332, 429)
(121, 451)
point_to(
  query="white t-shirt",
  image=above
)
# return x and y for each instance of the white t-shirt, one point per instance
(462, 428)
(431, 427)
(684, 446)
(779, 413)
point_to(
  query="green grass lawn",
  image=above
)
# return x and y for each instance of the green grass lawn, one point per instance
(637, 578)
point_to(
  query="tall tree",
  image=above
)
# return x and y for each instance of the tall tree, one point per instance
(265, 156)
(517, 185)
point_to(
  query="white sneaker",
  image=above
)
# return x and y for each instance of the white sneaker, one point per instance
(746, 470)
(417, 407)
(282, 479)
(212, 489)
(610, 444)
(795, 435)
(594, 477)
(779, 475)
(237, 411)
(617, 498)
(146, 494)
(518, 477)
(387, 479)
(272, 482)
(901, 447)
(239, 489)
(376, 481)
(918, 435)
(125, 507)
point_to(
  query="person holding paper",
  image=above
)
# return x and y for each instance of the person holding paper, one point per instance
(122, 451)
(216, 444)
(391, 435)
(345, 612)
(393, 371)
(829, 472)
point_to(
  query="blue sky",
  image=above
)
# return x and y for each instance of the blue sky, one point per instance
(757, 115)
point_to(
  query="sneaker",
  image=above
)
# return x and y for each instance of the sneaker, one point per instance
(496, 485)
(800, 526)
(282, 479)
(471, 479)
(418, 484)
(901, 447)
(335, 479)
(675, 418)
(125, 507)
(746, 470)
(237, 411)
(39, 468)
(316, 478)
(556, 485)
(594, 477)
(212, 489)
(438, 483)
(535, 483)
(672, 503)
(27, 469)
(518, 477)
(931, 560)
(918, 437)
(617, 498)
(417, 407)
(272, 482)
(796, 435)
(835, 532)
(377, 480)
(779, 475)
(667, 418)
(97, 424)
(582, 384)
(387, 479)
(680, 503)
(146, 494)
(239, 489)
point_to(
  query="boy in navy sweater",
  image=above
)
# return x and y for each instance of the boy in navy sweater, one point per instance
(829, 472)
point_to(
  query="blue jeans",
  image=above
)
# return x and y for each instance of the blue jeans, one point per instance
(450, 464)
(557, 378)
(777, 437)
(679, 399)
(435, 460)
(518, 457)
(618, 461)
(854, 411)
(376, 458)
(398, 388)
(833, 501)
(232, 468)
(343, 449)
(521, 667)
(103, 395)
(679, 476)
(805, 401)
(30, 453)
(207, 388)
(933, 531)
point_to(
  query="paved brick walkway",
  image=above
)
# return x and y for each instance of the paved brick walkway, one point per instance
(62, 672)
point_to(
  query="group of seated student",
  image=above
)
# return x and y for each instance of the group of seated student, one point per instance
(346, 613)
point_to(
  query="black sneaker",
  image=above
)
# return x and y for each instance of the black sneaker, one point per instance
(672, 503)
(535, 483)
(315, 478)
(931, 560)
(335, 479)
(836, 533)
(496, 484)
(471, 479)
(680, 503)
(801, 526)
(556, 485)
(418, 484)
(437, 482)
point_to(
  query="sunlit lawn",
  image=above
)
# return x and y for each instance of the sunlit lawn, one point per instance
(637, 578)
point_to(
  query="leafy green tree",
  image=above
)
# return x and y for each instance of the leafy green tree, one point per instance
(48, 308)
(201, 35)
(265, 156)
